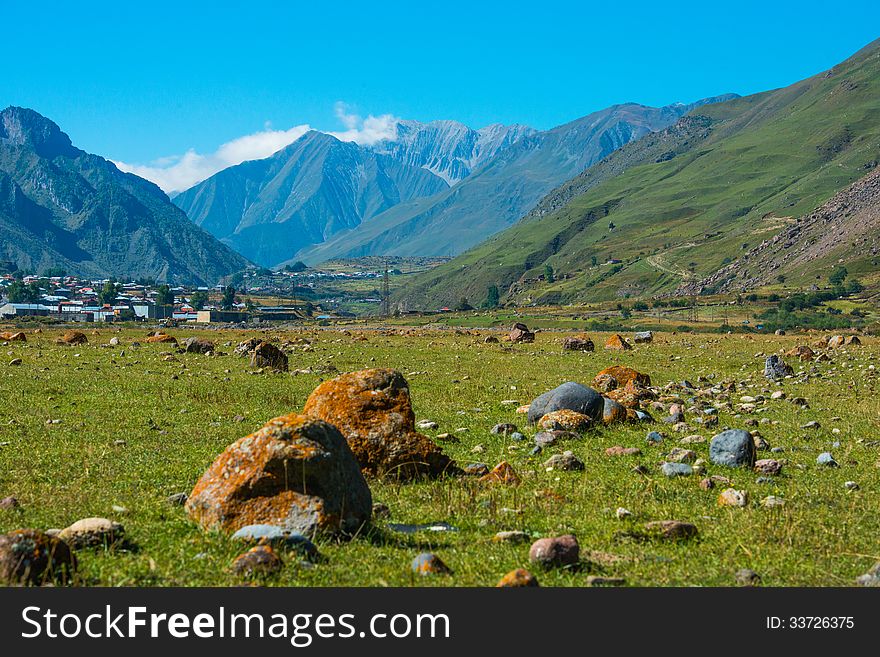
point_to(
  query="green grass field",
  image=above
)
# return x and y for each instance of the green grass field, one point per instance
(135, 428)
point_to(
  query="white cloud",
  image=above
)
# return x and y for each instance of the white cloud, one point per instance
(176, 173)
(368, 131)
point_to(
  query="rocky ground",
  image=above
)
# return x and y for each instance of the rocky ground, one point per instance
(437, 457)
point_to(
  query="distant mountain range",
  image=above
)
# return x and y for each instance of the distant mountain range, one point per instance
(436, 189)
(62, 207)
(662, 214)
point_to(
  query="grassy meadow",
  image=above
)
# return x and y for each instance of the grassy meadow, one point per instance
(112, 431)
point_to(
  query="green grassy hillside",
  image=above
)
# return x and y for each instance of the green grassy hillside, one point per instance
(683, 214)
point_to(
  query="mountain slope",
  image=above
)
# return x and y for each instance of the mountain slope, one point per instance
(61, 206)
(680, 216)
(498, 193)
(269, 209)
(449, 149)
(845, 229)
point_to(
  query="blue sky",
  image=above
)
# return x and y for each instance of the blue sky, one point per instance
(139, 82)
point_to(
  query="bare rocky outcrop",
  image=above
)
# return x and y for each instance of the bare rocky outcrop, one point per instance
(847, 224)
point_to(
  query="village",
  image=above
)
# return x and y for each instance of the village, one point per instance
(72, 299)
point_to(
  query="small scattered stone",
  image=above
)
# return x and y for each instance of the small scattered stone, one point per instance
(428, 563)
(870, 578)
(518, 578)
(512, 537)
(654, 437)
(747, 577)
(177, 499)
(259, 561)
(566, 461)
(557, 552)
(600, 580)
(849, 485)
(671, 529)
(8, 503)
(277, 537)
(619, 450)
(768, 466)
(772, 502)
(504, 429)
(733, 497)
(676, 469)
(503, 473)
(826, 459)
(476, 469)
(92, 532)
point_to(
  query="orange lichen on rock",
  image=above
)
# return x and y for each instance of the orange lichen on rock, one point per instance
(372, 409)
(565, 420)
(161, 337)
(73, 338)
(630, 395)
(30, 556)
(614, 412)
(296, 472)
(8, 336)
(618, 343)
(503, 473)
(518, 578)
(802, 351)
(623, 375)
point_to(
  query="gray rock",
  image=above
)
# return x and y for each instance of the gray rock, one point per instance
(826, 459)
(870, 578)
(565, 461)
(747, 577)
(8, 503)
(570, 395)
(776, 368)
(547, 438)
(504, 429)
(733, 448)
(513, 537)
(476, 469)
(517, 436)
(177, 499)
(654, 437)
(428, 563)
(677, 469)
(643, 336)
(278, 538)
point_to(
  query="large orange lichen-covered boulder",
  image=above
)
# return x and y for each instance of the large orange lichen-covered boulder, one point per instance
(296, 473)
(13, 337)
(73, 338)
(373, 411)
(618, 343)
(623, 375)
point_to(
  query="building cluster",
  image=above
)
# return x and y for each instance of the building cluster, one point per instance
(72, 299)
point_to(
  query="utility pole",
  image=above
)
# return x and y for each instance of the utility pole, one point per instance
(386, 290)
